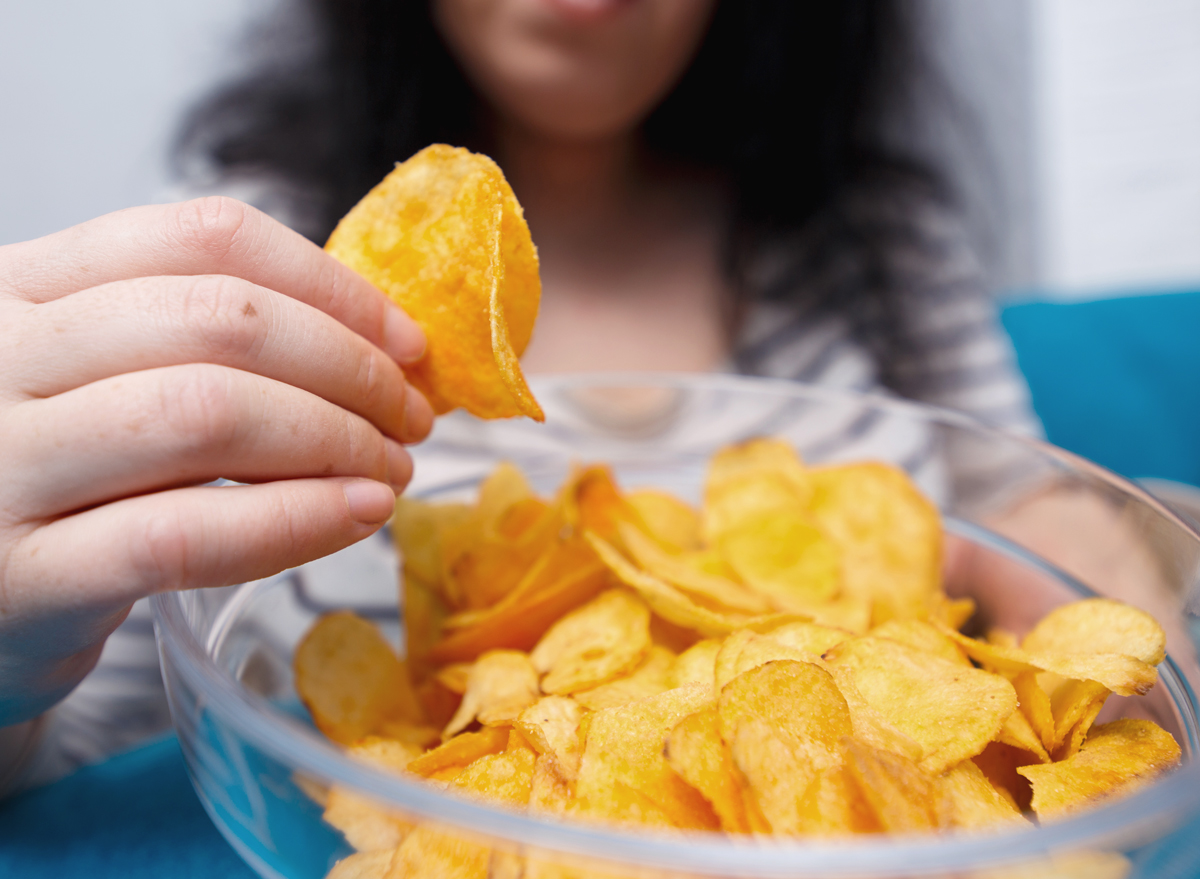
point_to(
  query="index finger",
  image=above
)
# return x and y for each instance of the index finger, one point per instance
(206, 236)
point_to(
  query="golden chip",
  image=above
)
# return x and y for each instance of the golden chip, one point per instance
(1099, 625)
(674, 524)
(605, 638)
(500, 685)
(1116, 758)
(444, 237)
(552, 726)
(623, 770)
(350, 679)
(696, 751)
(889, 533)
(783, 556)
(951, 711)
(650, 678)
(966, 799)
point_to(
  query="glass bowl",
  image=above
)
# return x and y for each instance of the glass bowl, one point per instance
(1028, 527)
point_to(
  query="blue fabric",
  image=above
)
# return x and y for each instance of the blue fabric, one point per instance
(1117, 380)
(132, 817)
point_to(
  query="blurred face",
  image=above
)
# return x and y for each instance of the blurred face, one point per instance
(573, 69)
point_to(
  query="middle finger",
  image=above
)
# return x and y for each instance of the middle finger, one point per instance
(146, 323)
(181, 425)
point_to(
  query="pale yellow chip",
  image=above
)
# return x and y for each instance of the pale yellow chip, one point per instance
(623, 774)
(711, 590)
(967, 800)
(920, 635)
(1099, 625)
(606, 638)
(500, 685)
(417, 528)
(950, 710)
(798, 697)
(784, 556)
(350, 679)
(363, 865)
(757, 476)
(552, 726)
(364, 823)
(444, 237)
(650, 678)
(889, 533)
(696, 751)
(1116, 758)
(900, 794)
(695, 665)
(671, 522)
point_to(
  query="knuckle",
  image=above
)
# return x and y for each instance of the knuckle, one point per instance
(160, 552)
(372, 384)
(211, 225)
(199, 408)
(221, 311)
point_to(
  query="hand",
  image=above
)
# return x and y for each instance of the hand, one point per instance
(151, 351)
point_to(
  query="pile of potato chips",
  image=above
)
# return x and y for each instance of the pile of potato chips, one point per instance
(444, 237)
(783, 661)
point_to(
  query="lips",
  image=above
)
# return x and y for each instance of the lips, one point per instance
(590, 10)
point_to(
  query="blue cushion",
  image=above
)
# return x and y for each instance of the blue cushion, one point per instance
(1117, 380)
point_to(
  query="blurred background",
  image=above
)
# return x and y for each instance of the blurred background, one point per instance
(1072, 133)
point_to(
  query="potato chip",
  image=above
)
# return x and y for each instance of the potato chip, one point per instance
(890, 536)
(1035, 705)
(696, 751)
(950, 710)
(1115, 759)
(1018, 733)
(500, 685)
(810, 637)
(567, 576)
(549, 792)
(1074, 706)
(431, 852)
(999, 762)
(757, 476)
(966, 799)
(920, 635)
(714, 592)
(363, 865)
(695, 665)
(784, 556)
(506, 776)
(365, 824)
(443, 236)
(624, 751)
(664, 599)
(671, 522)
(350, 679)
(552, 726)
(650, 678)
(782, 773)
(1122, 674)
(462, 750)
(797, 697)
(900, 794)
(1099, 625)
(607, 637)
(417, 528)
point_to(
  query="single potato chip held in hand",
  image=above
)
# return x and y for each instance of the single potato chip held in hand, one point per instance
(444, 237)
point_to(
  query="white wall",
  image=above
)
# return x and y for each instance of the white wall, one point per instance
(1117, 133)
(90, 95)
(1082, 169)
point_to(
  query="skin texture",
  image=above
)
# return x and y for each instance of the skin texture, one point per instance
(629, 248)
(151, 351)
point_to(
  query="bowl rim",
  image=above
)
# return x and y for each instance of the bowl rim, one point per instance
(1160, 805)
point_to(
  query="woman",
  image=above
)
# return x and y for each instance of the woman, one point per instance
(709, 189)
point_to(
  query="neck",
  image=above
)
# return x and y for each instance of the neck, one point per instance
(570, 186)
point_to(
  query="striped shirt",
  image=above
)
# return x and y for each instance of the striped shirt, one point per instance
(931, 335)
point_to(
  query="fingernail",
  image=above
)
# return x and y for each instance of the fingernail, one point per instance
(418, 416)
(369, 502)
(399, 464)
(402, 337)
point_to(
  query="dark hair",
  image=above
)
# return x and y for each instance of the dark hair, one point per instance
(786, 98)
